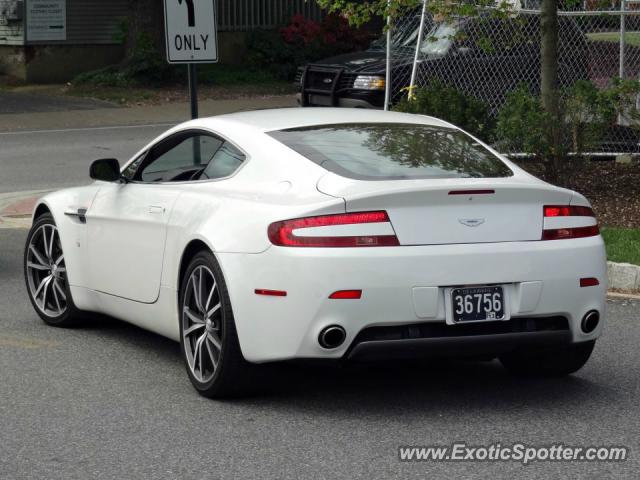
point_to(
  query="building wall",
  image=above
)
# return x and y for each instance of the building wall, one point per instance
(11, 32)
(247, 15)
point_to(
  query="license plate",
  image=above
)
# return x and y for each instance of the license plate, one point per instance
(477, 304)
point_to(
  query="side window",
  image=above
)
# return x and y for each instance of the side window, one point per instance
(225, 161)
(179, 158)
(130, 171)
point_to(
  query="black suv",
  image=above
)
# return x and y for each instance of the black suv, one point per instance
(483, 56)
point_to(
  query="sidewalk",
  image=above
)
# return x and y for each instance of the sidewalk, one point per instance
(106, 117)
(16, 208)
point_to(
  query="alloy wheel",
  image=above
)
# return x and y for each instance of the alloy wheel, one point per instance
(202, 324)
(46, 271)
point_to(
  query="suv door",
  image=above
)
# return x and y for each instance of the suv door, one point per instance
(127, 222)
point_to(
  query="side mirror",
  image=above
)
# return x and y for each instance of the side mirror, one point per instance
(105, 169)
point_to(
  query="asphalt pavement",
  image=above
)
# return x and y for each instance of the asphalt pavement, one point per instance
(23, 102)
(108, 400)
(52, 159)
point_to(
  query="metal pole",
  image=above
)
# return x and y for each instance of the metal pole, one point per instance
(622, 33)
(417, 55)
(387, 83)
(193, 89)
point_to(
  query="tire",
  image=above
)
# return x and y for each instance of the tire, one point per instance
(46, 276)
(548, 361)
(208, 337)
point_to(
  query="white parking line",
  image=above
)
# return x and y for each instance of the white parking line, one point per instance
(84, 129)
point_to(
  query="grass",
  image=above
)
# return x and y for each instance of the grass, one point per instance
(630, 38)
(623, 244)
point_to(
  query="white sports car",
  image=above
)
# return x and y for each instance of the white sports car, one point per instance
(326, 234)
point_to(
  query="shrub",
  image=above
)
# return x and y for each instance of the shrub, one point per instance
(523, 125)
(587, 114)
(302, 41)
(445, 102)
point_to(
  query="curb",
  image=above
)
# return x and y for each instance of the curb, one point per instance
(627, 296)
(623, 276)
(16, 208)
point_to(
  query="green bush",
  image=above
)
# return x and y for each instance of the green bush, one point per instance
(445, 102)
(523, 125)
(282, 51)
(586, 114)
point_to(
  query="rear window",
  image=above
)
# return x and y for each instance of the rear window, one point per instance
(375, 151)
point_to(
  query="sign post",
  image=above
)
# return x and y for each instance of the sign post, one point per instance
(191, 38)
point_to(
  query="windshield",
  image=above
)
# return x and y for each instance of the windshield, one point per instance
(393, 151)
(439, 39)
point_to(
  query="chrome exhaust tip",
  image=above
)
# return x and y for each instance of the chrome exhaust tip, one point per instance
(332, 337)
(590, 321)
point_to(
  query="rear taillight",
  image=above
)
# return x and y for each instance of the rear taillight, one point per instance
(328, 231)
(568, 211)
(563, 222)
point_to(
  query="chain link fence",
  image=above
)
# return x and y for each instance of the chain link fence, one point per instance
(488, 56)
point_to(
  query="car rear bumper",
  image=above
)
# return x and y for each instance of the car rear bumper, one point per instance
(406, 286)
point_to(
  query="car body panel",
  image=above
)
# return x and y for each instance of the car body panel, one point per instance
(126, 262)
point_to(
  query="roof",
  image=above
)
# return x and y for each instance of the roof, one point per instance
(283, 118)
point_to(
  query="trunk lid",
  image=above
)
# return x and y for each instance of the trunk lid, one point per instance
(452, 211)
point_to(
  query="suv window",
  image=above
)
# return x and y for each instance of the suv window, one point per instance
(375, 151)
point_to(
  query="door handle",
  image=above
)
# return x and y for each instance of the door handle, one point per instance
(156, 210)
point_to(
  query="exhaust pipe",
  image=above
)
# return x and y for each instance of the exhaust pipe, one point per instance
(332, 337)
(590, 321)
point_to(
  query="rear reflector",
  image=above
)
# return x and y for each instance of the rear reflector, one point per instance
(346, 295)
(566, 233)
(472, 192)
(282, 233)
(272, 293)
(589, 282)
(567, 211)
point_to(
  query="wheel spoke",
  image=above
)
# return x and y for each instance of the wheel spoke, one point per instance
(41, 286)
(192, 316)
(214, 362)
(203, 338)
(59, 260)
(57, 286)
(213, 310)
(197, 355)
(214, 340)
(55, 297)
(200, 291)
(213, 289)
(44, 292)
(196, 291)
(36, 254)
(51, 238)
(192, 329)
(38, 266)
